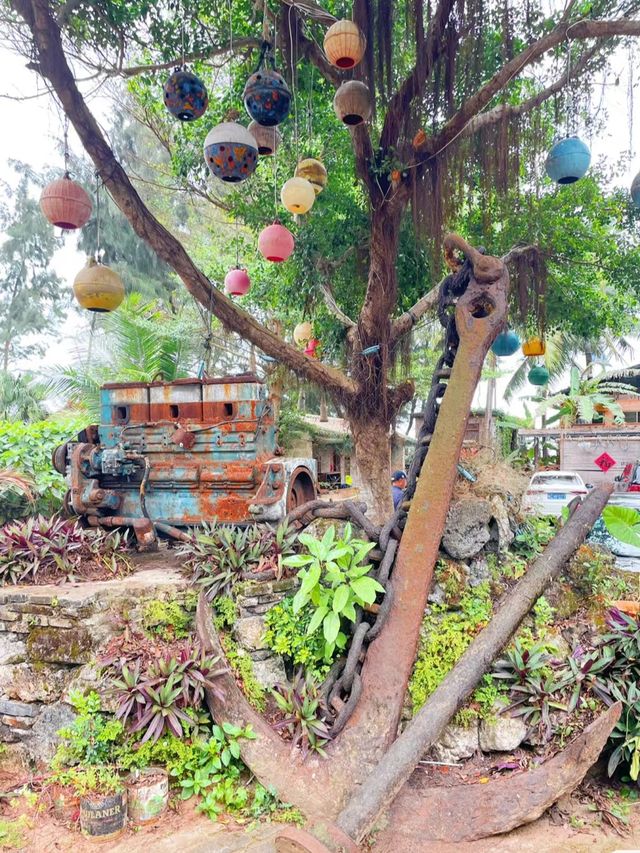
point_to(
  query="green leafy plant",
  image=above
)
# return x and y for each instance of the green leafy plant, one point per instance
(287, 635)
(167, 619)
(533, 534)
(542, 614)
(89, 779)
(533, 702)
(625, 737)
(520, 664)
(92, 737)
(156, 700)
(623, 523)
(303, 720)
(242, 666)
(335, 581)
(226, 612)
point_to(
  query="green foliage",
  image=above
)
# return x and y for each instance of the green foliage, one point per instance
(27, 448)
(334, 581)
(90, 779)
(242, 666)
(226, 612)
(623, 523)
(584, 395)
(593, 574)
(265, 804)
(287, 635)
(167, 619)
(445, 636)
(542, 614)
(93, 736)
(44, 545)
(304, 714)
(22, 398)
(532, 536)
(12, 833)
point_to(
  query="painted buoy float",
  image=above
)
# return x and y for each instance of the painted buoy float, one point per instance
(185, 95)
(276, 243)
(506, 344)
(231, 152)
(568, 160)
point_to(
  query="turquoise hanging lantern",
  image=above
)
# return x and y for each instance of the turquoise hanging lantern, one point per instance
(568, 160)
(635, 190)
(538, 375)
(506, 344)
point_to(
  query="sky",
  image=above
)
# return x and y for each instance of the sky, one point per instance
(35, 125)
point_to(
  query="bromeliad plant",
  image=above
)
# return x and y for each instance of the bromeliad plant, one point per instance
(164, 697)
(335, 580)
(304, 714)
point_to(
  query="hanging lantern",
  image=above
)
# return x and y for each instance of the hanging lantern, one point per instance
(568, 160)
(268, 139)
(98, 288)
(266, 95)
(538, 375)
(352, 103)
(313, 171)
(65, 204)
(534, 346)
(275, 243)
(185, 95)
(303, 333)
(506, 344)
(344, 44)
(237, 282)
(635, 190)
(231, 152)
(297, 195)
(311, 348)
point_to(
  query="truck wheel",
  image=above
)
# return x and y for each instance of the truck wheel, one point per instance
(301, 489)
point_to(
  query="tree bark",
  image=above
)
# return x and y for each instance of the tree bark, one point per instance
(400, 760)
(373, 458)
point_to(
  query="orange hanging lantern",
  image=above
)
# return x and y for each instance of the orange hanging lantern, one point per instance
(65, 204)
(533, 347)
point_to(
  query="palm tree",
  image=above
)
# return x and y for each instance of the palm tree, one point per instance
(588, 396)
(22, 398)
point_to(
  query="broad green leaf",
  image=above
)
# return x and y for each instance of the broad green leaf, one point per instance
(300, 599)
(623, 523)
(366, 589)
(297, 560)
(317, 618)
(340, 598)
(331, 626)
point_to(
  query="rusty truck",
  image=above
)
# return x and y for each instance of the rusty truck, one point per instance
(169, 455)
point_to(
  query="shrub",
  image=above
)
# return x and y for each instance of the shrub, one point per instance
(304, 715)
(167, 619)
(92, 737)
(287, 635)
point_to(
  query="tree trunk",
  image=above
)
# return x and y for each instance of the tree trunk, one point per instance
(379, 789)
(373, 458)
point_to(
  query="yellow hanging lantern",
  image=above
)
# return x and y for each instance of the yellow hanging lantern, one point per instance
(313, 171)
(303, 333)
(98, 288)
(297, 195)
(534, 346)
(344, 44)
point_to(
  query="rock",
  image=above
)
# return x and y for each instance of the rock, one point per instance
(249, 632)
(467, 528)
(43, 741)
(31, 684)
(59, 645)
(503, 526)
(501, 734)
(437, 594)
(12, 649)
(87, 678)
(557, 646)
(17, 709)
(479, 571)
(269, 672)
(456, 742)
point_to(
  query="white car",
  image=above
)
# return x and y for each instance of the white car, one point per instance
(550, 491)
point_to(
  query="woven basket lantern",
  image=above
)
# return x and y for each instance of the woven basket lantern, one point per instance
(534, 346)
(297, 195)
(303, 333)
(313, 171)
(268, 139)
(344, 44)
(352, 103)
(65, 204)
(98, 288)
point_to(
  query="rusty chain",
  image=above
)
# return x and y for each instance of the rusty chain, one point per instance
(342, 687)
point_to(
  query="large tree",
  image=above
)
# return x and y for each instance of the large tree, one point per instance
(473, 76)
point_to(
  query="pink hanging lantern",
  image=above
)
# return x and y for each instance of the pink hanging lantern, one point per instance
(65, 204)
(311, 348)
(276, 243)
(237, 282)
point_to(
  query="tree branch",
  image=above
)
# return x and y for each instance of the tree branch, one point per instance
(133, 70)
(477, 102)
(53, 65)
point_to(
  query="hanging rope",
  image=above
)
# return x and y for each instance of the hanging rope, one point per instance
(98, 216)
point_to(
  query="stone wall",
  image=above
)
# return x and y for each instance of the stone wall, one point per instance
(49, 639)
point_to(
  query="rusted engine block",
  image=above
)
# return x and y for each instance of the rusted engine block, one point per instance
(171, 454)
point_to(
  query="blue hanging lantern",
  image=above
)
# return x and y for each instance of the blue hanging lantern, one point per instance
(538, 375)
(506, 344)
(635, 190)
(266, 95)
(185, 95)
(568, 160)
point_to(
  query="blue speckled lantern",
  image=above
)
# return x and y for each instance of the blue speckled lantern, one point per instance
(568, 160)
(266, 95)
(635, 190)
(506, 344)
(185, 95)
(538, 375)
(230, 152)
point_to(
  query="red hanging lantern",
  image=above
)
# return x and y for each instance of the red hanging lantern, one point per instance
(237, 282)
(276, 243)
(311, 348)
(65, 204)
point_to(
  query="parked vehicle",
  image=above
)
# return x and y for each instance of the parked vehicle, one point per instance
(550, 491)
